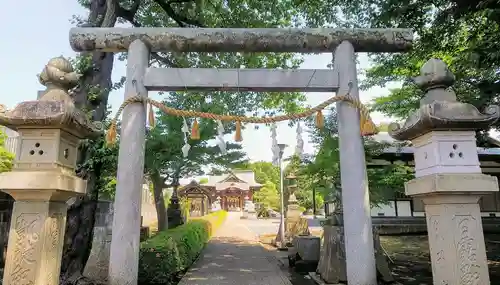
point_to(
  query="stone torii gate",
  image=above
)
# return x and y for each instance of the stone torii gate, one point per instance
(140, 42)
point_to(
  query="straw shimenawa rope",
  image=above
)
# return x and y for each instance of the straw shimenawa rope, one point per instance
(367, 126)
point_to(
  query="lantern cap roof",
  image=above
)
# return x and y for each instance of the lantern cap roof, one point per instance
(439, 108)
(55, 107)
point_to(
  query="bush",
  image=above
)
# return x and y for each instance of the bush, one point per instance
(263, 212)
(164, 257)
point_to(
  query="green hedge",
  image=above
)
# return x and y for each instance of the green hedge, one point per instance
(164, 257)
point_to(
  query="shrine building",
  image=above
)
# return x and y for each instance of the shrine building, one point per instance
(231, 190)
(404, 206)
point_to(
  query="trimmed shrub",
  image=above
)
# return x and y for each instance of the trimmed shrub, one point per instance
(166, 256)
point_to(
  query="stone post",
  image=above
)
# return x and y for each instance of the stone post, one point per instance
(359, 248)
(448, 176)
(43, 177)
(97, 266)
(124, 255)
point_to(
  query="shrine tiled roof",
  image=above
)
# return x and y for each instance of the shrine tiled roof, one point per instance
(384, 137)
(240, 179)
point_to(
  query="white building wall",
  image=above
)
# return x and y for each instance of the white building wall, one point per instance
(404, 208)
(384, 210)
(389, 210)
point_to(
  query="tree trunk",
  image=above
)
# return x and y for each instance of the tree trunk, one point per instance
(81, 214)
(79, 233)
(161, 210)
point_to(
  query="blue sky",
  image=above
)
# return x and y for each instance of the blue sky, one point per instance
(41, 31)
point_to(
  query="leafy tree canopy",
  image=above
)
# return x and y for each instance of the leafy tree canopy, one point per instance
(324, 168)
(268, 196)
(269, 176)
(464, 34)
(164, 155)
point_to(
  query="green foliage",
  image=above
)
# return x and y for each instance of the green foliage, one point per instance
(203, 180)
(6, 158)
(165, 158)
(268, 196)
(165, 141)
(98, 157)
(265, 172)
(269, 176)
(163, 150)
(102, 159)
(302, 209)
(234, 14)
(303, 192)
(166, 198)
(464, 34)
(164, 257)
(324, 169)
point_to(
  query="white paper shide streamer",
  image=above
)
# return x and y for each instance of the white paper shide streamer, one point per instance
(220, 137)
(186, 147)
(275, 148)
(299, 148)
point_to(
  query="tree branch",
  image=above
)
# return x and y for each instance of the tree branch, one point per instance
(166, 61)
(181, 20)
(129, 14)
(459, 8)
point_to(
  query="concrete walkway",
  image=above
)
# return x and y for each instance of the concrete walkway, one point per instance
(234, 257)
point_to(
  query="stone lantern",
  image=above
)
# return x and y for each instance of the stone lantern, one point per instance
(448, 176)
(293, 210)
(295, 223)
(43, 177)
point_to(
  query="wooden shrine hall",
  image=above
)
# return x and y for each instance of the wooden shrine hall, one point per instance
(231, 190)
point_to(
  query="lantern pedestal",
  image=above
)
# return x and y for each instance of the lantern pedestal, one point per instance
(454, 225)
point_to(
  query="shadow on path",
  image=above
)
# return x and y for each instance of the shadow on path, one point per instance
(228, 260)
(234, 256)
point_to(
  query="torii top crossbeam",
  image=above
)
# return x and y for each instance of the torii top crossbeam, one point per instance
(241, 40)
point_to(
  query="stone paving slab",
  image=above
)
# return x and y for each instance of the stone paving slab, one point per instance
(234, 256)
